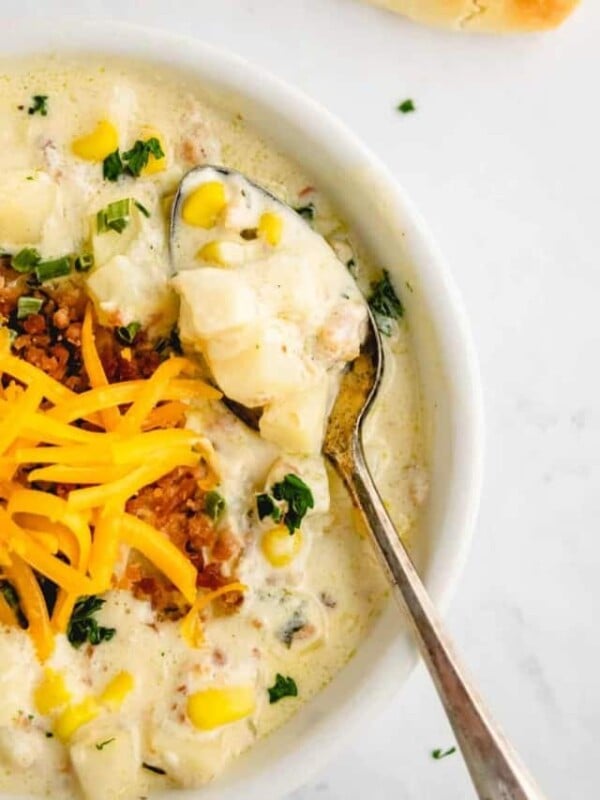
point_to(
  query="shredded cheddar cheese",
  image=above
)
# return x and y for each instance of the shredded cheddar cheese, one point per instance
(74, 541)
(191, 627)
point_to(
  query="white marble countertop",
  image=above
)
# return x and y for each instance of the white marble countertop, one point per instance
(502, 158)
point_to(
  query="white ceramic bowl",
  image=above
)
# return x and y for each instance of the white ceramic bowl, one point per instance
(373, 203)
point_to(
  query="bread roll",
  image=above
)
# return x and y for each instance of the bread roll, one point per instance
(488, 16)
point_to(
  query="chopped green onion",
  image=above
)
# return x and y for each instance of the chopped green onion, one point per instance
(84, 262)
(141, 208)
(39, 104)
(58, 268)
(127, 333)
(27, 306)
(214, 505)
(26, 260)
(12, 335)
(115, 217)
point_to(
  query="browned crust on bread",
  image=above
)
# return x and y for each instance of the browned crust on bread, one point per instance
(488, 16)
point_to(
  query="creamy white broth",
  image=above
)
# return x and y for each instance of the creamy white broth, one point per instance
(332, 587)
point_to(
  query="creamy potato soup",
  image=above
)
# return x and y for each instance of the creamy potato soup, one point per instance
(174, 582)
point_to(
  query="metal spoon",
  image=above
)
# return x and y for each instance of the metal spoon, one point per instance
(496, 770)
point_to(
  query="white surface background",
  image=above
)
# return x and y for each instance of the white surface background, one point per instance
(502, 158)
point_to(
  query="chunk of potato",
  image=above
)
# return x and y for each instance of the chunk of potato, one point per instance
(296, 423)
(106, 759)
(213, 301)
(269, 367)
(27, 199)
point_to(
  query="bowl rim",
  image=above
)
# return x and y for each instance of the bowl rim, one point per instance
(74, 35)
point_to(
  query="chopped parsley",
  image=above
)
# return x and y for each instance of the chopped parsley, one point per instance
(307, 212)
(267, 507)
(39, 105)
(298, 497)
(133, 161)
(82, 625)
(102, 745)
(26, 259)
(439, 753)
(112, 166)
(27, 306)
(214, 505)
(385, 304)
(283, 687)
(295, 623)
(10, 594)
(127, 333)
(406, 106)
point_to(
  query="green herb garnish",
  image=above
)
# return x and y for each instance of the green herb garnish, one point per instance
(141, 208)
(406, 106)
(82, 625)
(10, 594)
(307, 212)
(127, 333)
(84, 262)
(152, 768)
(102, 745)
(266, 507)
(112, 166)
(298, 497)
(437, 754)
(133, 161)
(57, 268)
(39, 105)
(385, 304)
(26, 259)
(27, 306)
(214, 505)
(283, 687)
(138, 156)
(115, 217)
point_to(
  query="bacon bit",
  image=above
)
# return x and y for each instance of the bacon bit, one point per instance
(256, 623)
(219, 657)
(306, 190)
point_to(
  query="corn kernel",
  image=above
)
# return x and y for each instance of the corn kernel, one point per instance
(74, 716)
(203, 205)
(117, 689)
(51, 693)
(126, 353)
(213, 253)
(154, 164)
(280, 547)
(270, 227)
(211, 708)
(98, 144)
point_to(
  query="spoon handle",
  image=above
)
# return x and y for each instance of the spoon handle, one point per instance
(495, 768)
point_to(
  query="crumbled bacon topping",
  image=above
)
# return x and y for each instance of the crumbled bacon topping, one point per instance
(51, 341)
